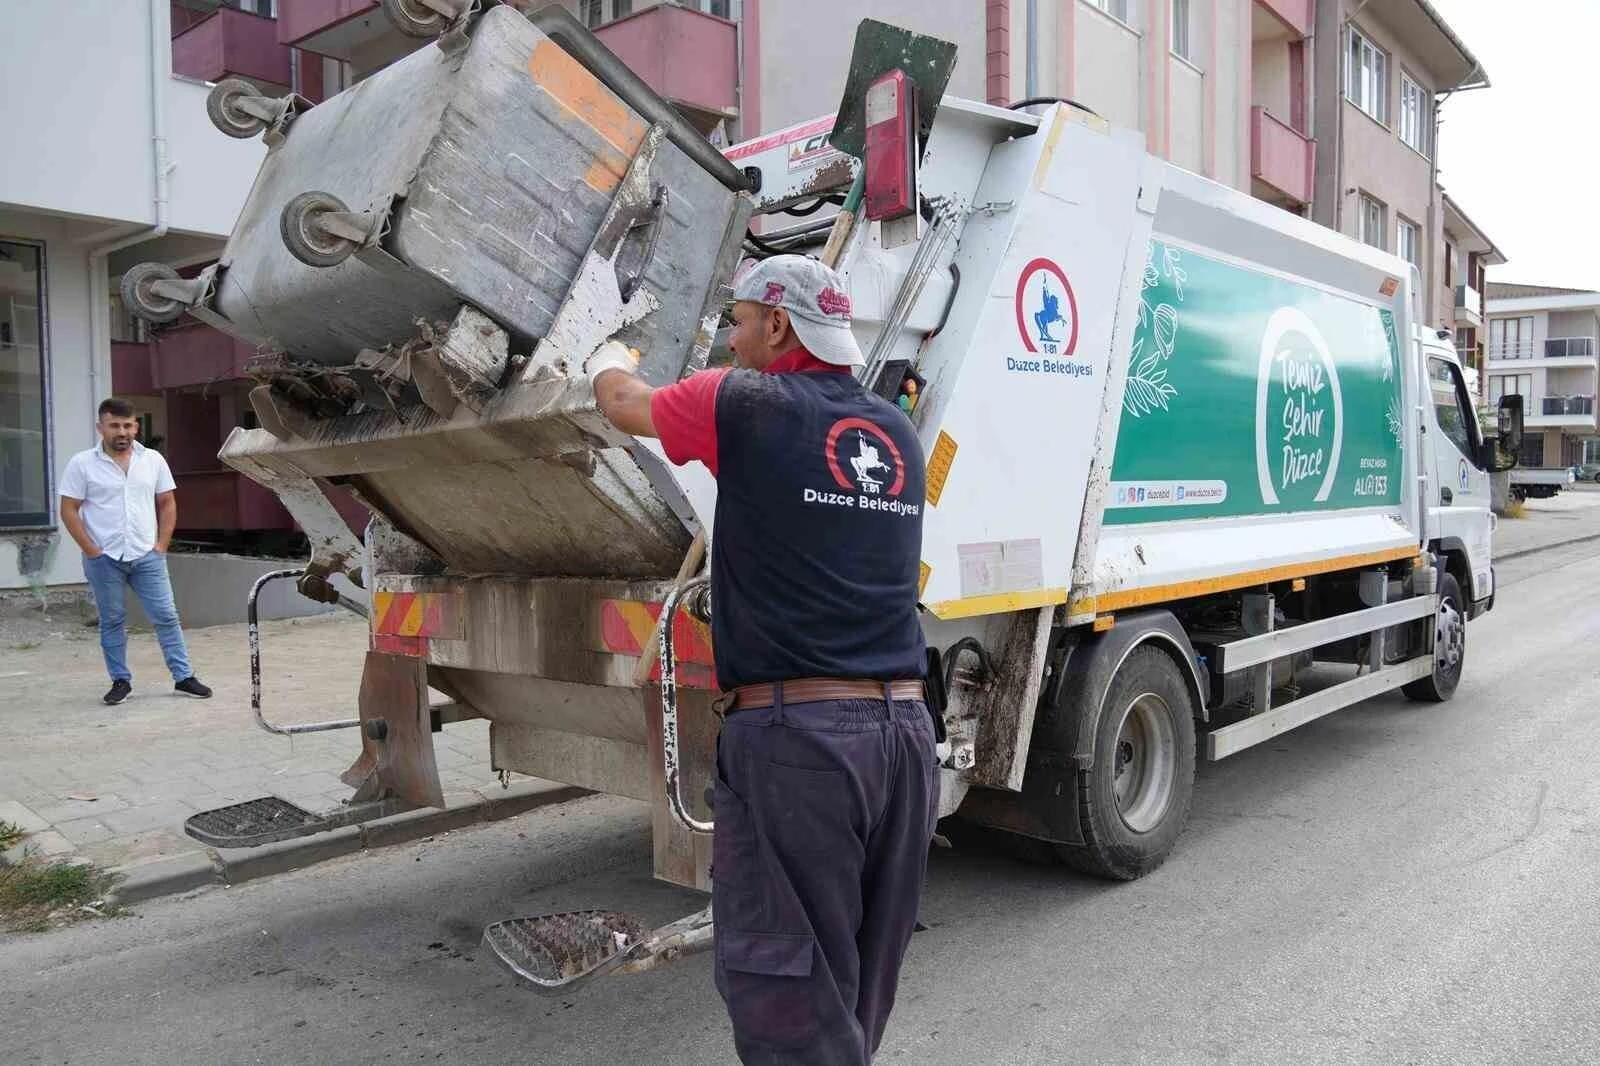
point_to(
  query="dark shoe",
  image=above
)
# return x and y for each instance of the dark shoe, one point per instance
(191, 686)
(120, 690)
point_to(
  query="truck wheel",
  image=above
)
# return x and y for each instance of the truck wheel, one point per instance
(1134, 802)
(1449, 647)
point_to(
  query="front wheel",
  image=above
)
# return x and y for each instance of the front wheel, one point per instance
(1134, 801)
(1449, 647)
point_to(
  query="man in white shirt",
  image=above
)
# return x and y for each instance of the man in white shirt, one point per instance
(120, 504)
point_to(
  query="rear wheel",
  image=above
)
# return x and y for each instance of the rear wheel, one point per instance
(1449, 646)
(1133, 803)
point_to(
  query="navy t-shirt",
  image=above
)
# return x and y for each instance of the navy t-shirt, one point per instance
(816, 547)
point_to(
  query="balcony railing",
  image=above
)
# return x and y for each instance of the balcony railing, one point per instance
(1569, 348)
(1568, 405)
(1554, 348)
(1281, 157)
(1469, 299)
(232, 43)
(656, 44)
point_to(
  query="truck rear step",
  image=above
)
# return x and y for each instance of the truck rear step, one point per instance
(271, 818)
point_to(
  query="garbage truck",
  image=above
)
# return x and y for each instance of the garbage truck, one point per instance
(1198, 472)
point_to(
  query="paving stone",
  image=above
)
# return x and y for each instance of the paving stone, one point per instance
(67, 810)
(85, 831)
(24, 818)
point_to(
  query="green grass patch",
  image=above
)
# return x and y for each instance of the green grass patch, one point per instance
(36, 896)
(9, 835)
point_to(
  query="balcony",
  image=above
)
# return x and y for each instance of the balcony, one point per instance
(131, 370)
(1553, 354)
(1294, 16)
(195, 354)
(331, 27)
(690, 58)
(1281, 158)
(229, 43)
(1564, 412)
(1469, 307)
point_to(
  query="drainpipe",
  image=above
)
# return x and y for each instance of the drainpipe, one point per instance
(1032, 77)
(160, 48)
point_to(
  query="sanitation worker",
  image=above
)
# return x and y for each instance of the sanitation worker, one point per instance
(826, 789)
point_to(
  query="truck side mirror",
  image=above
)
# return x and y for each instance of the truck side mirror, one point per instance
(1506, 449)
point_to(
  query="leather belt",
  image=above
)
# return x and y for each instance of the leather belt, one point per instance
(818, 689)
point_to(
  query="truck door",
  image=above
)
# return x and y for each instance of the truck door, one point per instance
(1459, 490)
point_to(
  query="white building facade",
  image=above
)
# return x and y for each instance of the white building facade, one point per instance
(1544, 345)
(110, 159)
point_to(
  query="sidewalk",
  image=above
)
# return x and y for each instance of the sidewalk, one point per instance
(113, 785)
(1574, 514)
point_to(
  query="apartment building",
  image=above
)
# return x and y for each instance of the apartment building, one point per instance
(1378, 96)
(1544, 345)
(110, 159)
(1466, 256)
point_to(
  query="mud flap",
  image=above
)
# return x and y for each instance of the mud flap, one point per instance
(396, 733)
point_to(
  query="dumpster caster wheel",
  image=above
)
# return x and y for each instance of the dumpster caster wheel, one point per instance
(222, 105)
(305, 236)
(138, 297)
(417, 18)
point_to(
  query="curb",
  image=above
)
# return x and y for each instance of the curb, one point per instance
(1521, 552)
(140, 882)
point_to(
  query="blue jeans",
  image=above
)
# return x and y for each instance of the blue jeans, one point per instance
(148, 576)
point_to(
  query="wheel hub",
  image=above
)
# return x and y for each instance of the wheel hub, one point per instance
(1450, 637)
(1146, 763)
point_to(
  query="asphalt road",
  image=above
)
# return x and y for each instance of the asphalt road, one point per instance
(1396, 883)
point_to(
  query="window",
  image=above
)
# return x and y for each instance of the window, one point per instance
(1181, 30)
(1117, 9)
(1511, 385)
(1366, 77)
(1370, 227)
(1511, 338)
(265, 8)
(621, 8)
(593, 12)
(1532, 455)
(1416, 127)
(24, 443)
(1452, 407)
(721, 8)
(1410, 242)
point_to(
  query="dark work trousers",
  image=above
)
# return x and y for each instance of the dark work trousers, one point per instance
(824, 813)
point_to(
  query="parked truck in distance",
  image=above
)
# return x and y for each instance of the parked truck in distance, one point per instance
(1540, 483)
(1196, 468)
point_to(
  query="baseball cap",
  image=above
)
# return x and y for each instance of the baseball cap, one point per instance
(816, 299)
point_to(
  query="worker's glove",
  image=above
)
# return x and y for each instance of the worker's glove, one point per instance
(612, 355)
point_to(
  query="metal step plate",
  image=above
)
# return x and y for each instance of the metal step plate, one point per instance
(253, 823)
(555, 951)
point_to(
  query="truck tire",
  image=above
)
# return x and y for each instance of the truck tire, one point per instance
(1449, 649)
(1134, 802)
